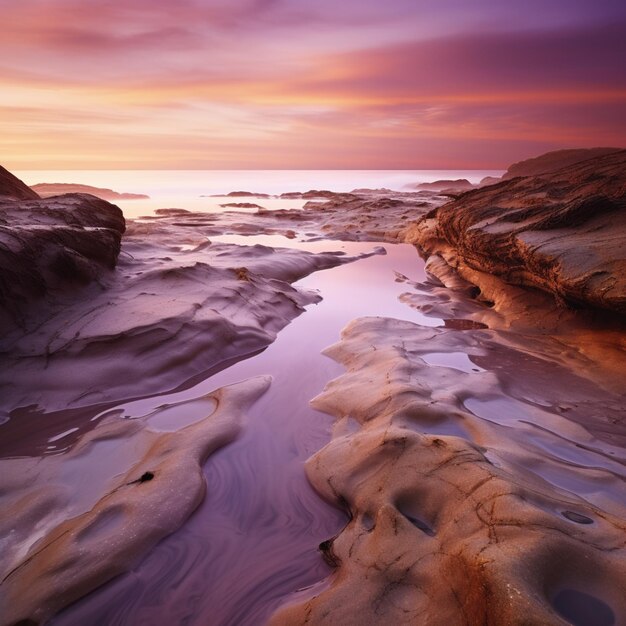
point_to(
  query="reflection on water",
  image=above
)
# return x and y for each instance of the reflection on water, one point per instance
(455, 360)
(557, 450)
(173, 417)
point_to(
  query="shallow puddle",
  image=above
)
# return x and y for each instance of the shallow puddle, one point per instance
(456, 360)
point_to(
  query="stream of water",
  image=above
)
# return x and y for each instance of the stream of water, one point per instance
(254, 540)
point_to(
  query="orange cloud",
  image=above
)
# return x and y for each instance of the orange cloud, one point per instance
(250, 84)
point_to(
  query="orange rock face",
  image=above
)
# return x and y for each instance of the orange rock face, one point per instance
(552, 161)
(563, 232)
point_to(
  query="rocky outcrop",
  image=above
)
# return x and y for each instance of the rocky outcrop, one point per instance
(361, 215)
(460, 184)
(53, 244)
(563, 232)
(241, 205)
(12, 188)
(177, 306)
(489, 180)
(59, 543)
(552, 161)
(456, 512)
(46, 190)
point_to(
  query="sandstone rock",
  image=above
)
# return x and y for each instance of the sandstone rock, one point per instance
(552, 161)
(54, 244)
(371, 215)
(80, 541)
(453, 518)
(563, 232)
(175, 308)
(12, 188)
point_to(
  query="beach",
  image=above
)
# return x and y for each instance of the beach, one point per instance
(324, 406)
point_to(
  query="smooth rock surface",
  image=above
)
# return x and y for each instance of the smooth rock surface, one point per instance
(457, 515)
(66, 527)
(12, 188)
(480, 460)
(178, 306)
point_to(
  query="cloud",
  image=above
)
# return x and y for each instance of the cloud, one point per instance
(250, 82)
(485, 63)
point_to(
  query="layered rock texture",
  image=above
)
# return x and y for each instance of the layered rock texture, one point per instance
(176, 307)
(478, 444)
(553, 161)
(54, 244)
(563, 232)
(91, 319)
(362, 215)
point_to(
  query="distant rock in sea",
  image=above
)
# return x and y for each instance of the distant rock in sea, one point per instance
(460, 184)
(46, 190)
(246, 194)
(489, 180)
(380, 190)
(312, 194)
(240, 205)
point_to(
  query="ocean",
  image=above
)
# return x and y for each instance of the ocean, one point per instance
(195, 190)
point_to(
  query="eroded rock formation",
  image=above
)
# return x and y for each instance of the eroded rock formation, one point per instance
(480, 461)
(54, 244)
(453, 491)
(553, 161)
(62, 536)
(563, 232)
(176, 307)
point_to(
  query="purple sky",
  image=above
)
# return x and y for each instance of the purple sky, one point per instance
(295, 84)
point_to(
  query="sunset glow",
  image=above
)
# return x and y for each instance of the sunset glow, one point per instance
(291, 84)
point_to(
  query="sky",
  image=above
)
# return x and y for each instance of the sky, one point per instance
(307, 84)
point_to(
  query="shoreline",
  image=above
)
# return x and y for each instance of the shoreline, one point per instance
(474, 370)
